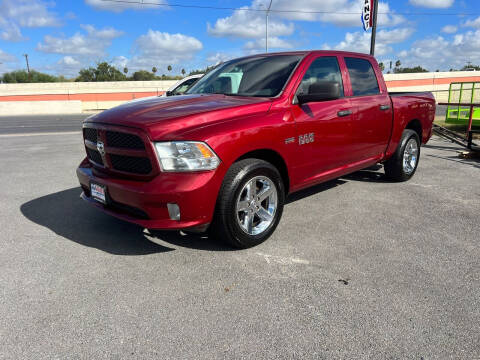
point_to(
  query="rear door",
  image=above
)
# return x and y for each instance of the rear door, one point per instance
(324, 129)
(372, 107)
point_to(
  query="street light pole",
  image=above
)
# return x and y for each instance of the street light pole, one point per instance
(266, 25)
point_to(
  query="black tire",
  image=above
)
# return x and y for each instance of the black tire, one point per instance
(394, 167)
(225, 225)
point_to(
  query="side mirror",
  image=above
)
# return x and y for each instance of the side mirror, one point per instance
(320, 91)
(169, 93)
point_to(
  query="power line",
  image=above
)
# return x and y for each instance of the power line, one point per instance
(209, 7)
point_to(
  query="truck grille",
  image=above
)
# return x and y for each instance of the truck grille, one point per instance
(94, 156)
(122, 152)
(124, 140)
(90, 134)
(131, 164)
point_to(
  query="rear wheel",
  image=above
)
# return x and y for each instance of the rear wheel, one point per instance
(250, 203)
(403, 163)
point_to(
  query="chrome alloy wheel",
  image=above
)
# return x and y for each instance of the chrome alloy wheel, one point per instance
(257, 205)
(410, 156)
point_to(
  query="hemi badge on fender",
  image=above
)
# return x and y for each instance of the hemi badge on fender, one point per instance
(289, 140)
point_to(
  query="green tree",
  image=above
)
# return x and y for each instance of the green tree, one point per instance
(21, 76)
(143, 75)
(416, 69)
(381, 66)
(125, 70)
(203, 71)
(169, 68)
(154, 70)
(183, 72)
(470, 67)
(398, 64)
(103, 72)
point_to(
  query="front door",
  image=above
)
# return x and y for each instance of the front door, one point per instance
(324, 129)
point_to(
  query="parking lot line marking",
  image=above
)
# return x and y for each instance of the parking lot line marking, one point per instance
(41, 133)
(283, 260)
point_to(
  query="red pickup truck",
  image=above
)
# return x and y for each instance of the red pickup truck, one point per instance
(225, 155)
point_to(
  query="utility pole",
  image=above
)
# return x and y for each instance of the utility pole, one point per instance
(266, 25)
(28, 66)
(374, 28)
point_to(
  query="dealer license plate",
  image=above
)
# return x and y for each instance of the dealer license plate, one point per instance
(98, 192)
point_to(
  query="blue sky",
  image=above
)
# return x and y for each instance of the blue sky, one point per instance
(63, 36)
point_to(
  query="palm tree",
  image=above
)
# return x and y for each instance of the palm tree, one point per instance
(183, 72)
(398, 64)
(154, 70)
(125, 70)
(169, 68)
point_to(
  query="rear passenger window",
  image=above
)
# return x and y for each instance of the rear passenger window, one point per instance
(322, 69)
(362, 77)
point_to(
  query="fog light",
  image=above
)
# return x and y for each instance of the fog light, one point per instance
(173, 211)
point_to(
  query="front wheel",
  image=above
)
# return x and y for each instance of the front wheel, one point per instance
(403, 163)
(250, 203)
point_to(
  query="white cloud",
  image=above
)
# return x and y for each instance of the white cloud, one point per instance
(251, 24)
(338, 12)
(160, 49)
(93, 44)
(437, 4)
(67, 66)
(11, 32)
(107, 33)
(120, 62)
(6, 60)
(218, 57)
(164, 45)
(273, 43)
(121, 6)
(473, 23)
(248, 24)
(360, 41)
(28, 13)
(6, 57)
(68, 61)
(449, 29)
(439, 53)
(15, 14)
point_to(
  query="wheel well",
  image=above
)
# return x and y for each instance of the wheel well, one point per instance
(273, 158)
(416, 126)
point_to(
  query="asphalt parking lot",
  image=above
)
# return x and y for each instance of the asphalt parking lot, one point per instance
(358, 268)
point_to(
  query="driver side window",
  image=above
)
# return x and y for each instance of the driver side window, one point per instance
(324, 68)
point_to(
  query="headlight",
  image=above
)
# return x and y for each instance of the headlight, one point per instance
(186, 156)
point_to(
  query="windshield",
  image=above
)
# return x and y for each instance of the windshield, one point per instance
(263, 76)
(180, 89)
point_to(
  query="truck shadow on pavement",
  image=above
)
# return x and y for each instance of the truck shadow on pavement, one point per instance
(70, 217)
(67, 215)
(372, 174)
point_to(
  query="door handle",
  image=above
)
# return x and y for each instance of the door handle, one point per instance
(384, 107)
(342, 113)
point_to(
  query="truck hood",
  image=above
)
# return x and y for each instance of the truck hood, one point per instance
(160, 116)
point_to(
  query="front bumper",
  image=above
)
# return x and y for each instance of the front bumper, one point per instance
(145, 202)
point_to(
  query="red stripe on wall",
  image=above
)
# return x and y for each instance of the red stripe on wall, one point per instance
(438, 81)
(83, 97)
